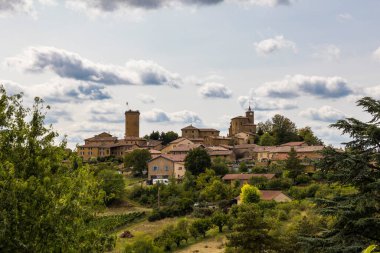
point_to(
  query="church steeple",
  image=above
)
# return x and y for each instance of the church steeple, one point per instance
(250, 115)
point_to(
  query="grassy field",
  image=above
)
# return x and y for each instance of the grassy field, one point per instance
(210, 245)
(142, 228)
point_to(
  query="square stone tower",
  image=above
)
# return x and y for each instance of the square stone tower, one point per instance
(132, 123)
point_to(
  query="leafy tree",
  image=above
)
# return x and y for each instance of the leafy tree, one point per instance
(249, 194)
(219, 166)
(45, 204)
(168, 137)
(357, 217)
(283, 129)
(200, 227)
(142, 245)
(215, 191)
(155, 135)
(219, 219)
(250, 233)
(308, 136)
(265, 127)
(137, 161)
(243, 167)
(293, 164)
(267, 140)
(197, 160)
(112, 184)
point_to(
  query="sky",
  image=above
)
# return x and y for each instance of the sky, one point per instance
(182, 62)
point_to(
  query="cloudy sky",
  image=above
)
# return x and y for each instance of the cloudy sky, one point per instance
(191, 61)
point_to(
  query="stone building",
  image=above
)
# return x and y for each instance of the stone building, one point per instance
(132, 124)
(191, 132)
(243, 124)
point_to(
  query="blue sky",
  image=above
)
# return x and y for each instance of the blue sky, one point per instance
(191, 61)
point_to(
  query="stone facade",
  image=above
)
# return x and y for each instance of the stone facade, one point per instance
(132, 124)
(243, 124)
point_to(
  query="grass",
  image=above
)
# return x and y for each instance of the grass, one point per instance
(141, 228)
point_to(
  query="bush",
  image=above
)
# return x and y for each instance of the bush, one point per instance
(112, 183)
(302, 179)
(302, 192)
(279, 184)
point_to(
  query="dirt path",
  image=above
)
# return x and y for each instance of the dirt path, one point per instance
(212, 245)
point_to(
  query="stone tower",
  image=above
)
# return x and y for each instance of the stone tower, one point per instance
(132, 123)
(250, 115)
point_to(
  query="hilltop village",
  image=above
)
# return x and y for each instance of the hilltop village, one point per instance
(168, 161)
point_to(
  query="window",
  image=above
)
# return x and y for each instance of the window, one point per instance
(166, 168)
(155, 168)
(179, 168)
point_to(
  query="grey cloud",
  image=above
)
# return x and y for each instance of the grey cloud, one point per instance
(318, 86)
(55, 115)
(160, 116)
(71, 65)
(325, 113)
(263, 104)
(107, 119)
(215, 90)
(63, 91)
(15, 6)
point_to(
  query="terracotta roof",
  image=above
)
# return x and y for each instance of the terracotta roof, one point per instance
(131, 138)
(220, 152)
(178, 140)
(154, 152)
(270, 195)
(293, 143)
(152, 143)
(185, 148)
(208, 130)
(216, 148)
(240, 117)
(172, 157)
(246, 176)
(245, 146)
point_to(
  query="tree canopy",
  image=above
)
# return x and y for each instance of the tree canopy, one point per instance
(197, 161)
(45, 204)
(357, 217)
(137, 161)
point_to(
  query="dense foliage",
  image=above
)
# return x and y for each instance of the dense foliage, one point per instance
(137, 160)
(45, 203)
(197, 161)
(357, 220)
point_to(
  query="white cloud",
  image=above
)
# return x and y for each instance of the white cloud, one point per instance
(271, 45)
(294, 86)
(327, 52)
(265, 104)
(10, 7)
(325, 113)
(214, 90)
(343, 17)
(71, 65)
(11, 87)
(266, 3)
(160, 116)
(146, 99)
(376, 54)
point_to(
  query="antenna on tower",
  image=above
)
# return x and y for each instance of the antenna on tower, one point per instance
(127, 105)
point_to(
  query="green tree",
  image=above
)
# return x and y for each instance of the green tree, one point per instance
(283, 129)
(219, 219)
(243, 167)
(197, 161)
(267, 140)
(45, 204)
(293, 164)
(112, 184)
(215, 191)
(168, 137)
(249, 194)
(142, 245)
(357, 217)
(155, 135)
(219, 166)
(250, 233)
(201, 227)
(137, 161)
(308, 136)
